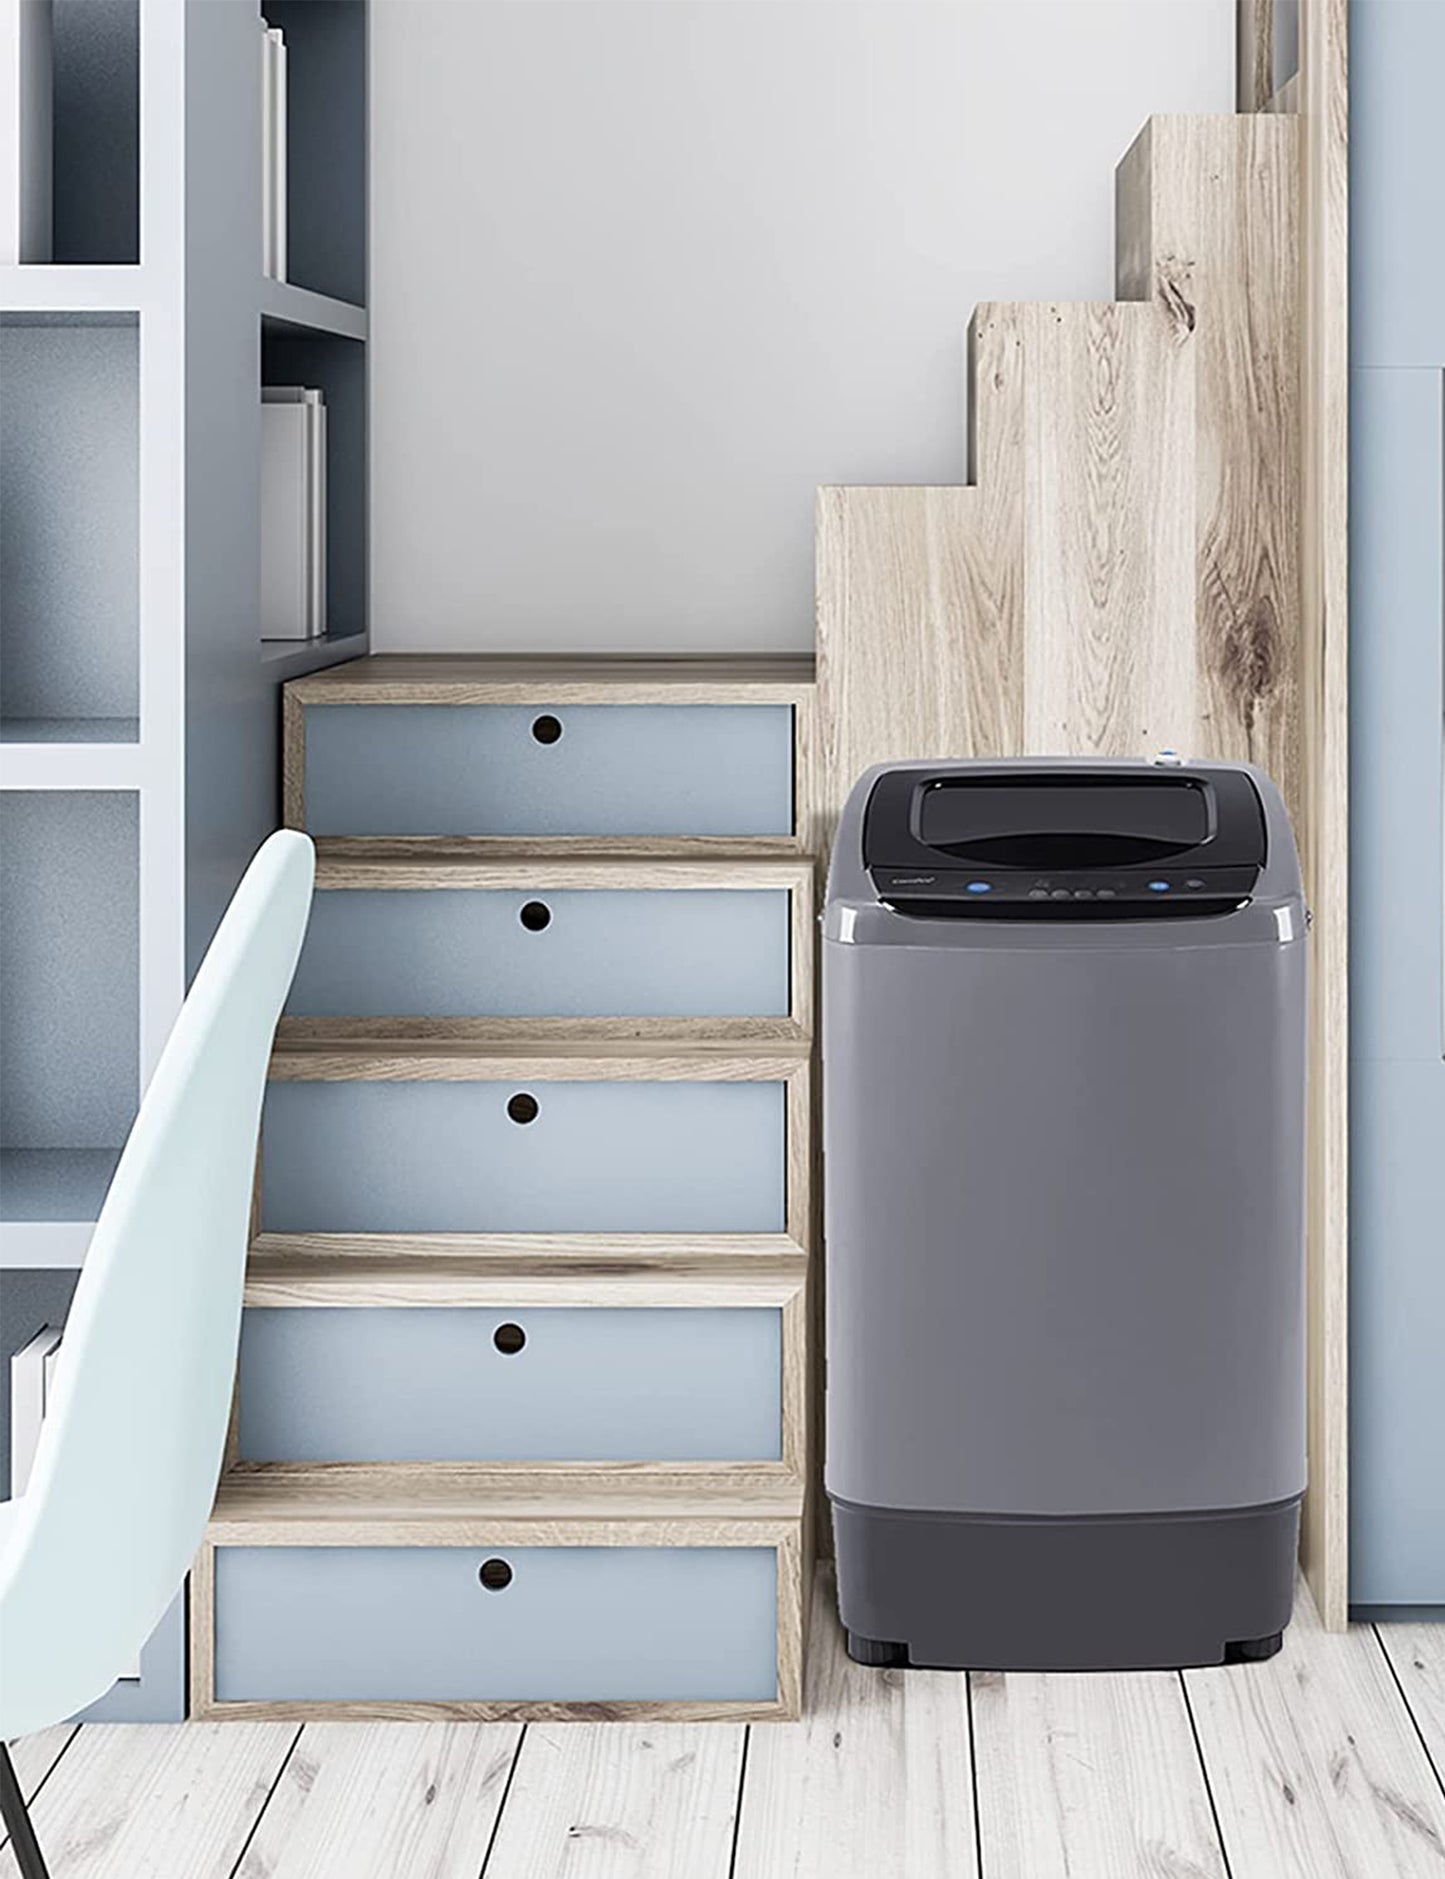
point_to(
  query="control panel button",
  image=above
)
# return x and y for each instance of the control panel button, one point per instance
(1105, 893)
(980, 887)
(1083, 893)
(1061, 893)
(1158, 887)
(1194, 884)
(1038, 893)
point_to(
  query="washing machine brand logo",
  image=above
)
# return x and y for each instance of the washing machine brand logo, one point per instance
(914, 880)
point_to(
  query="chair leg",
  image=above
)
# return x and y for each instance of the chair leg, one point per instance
(16, 1816)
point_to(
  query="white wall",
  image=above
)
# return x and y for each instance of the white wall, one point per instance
(645, 272)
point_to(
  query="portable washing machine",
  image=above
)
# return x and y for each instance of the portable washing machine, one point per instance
(1064, 1092)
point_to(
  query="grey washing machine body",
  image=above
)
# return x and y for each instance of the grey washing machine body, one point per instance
(1064, 1085)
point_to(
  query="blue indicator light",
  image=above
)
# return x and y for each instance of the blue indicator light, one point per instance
(980, 887)
(1158, 887)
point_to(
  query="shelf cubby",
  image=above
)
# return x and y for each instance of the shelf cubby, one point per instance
(96, 104)
(291, 355)
(69, 528)
(326, 143)
(69, 931)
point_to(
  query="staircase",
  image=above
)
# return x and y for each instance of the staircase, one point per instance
(522, 1414)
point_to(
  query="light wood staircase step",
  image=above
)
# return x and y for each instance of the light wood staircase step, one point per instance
(564, 679)
(516, 1270)
(550, 1060)
(519, 866)
(493, 1503)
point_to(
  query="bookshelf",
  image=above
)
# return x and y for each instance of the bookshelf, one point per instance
(139, 706)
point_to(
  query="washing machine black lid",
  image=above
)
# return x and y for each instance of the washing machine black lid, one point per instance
(1060, 843)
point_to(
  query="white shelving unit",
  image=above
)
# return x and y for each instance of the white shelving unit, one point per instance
(139, 707)
(130, 658)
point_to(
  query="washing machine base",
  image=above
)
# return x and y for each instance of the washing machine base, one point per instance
(1118, 1592)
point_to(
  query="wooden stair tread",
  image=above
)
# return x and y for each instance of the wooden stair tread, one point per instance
(503, 678)
(464, 868)
(591, 848)
(258, 1500)
(554, 1058)
(547, 1252)
(617, 1277)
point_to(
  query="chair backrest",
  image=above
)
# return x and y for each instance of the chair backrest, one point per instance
(131, 1447)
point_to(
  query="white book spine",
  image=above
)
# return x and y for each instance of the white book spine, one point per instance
(316, 483)
(277, 44)
(31, 1370)
(25, 131)
(285, 515)
(268, 156)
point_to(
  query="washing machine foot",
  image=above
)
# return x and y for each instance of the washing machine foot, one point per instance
(880, 1653)
(1253, 1650)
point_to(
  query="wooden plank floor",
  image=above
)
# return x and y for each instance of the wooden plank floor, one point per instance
(1326, 1763)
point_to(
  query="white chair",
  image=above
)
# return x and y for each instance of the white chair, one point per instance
(130, 1450)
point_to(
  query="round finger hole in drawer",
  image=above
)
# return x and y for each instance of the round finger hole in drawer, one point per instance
(495, 1574)
(522, 1107)
(535, 915)
(509, 1339)
(546, 729)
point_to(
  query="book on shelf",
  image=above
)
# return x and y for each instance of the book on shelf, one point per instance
(273, 152)
(25, 130)
(32, 1374)
(293, 512)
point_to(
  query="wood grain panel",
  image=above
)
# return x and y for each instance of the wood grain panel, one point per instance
(1314, 1764)
(630, 1801)
(1324, 495)
(1108, 640)
(382, 1800)
(427, 1283)
(1090, 1775)
(1206, 229)
(1416, 1653)
(263, 1504)
(97, 1816)
(873, 1783)
(920, 622)
(534, 872)
(561, 1254)
(35, 1755)
(562, 678)
(632, 1060)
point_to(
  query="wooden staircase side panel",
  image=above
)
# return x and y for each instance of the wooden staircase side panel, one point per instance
(1049, 607)
(1207, 228)
(1141, 559)
(1108, 576)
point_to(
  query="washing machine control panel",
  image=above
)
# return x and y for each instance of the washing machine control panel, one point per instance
(978, 890)
(1102, 842)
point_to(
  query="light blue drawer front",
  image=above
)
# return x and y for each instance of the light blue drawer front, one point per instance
(461, 952)
(615, 770)
(396, 1384)
(576, 1624)
(598, 1158)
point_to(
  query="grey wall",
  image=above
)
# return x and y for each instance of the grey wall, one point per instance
(644, 274)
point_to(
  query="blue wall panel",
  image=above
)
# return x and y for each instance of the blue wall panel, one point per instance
(1397, 1092)
(1397, 921)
